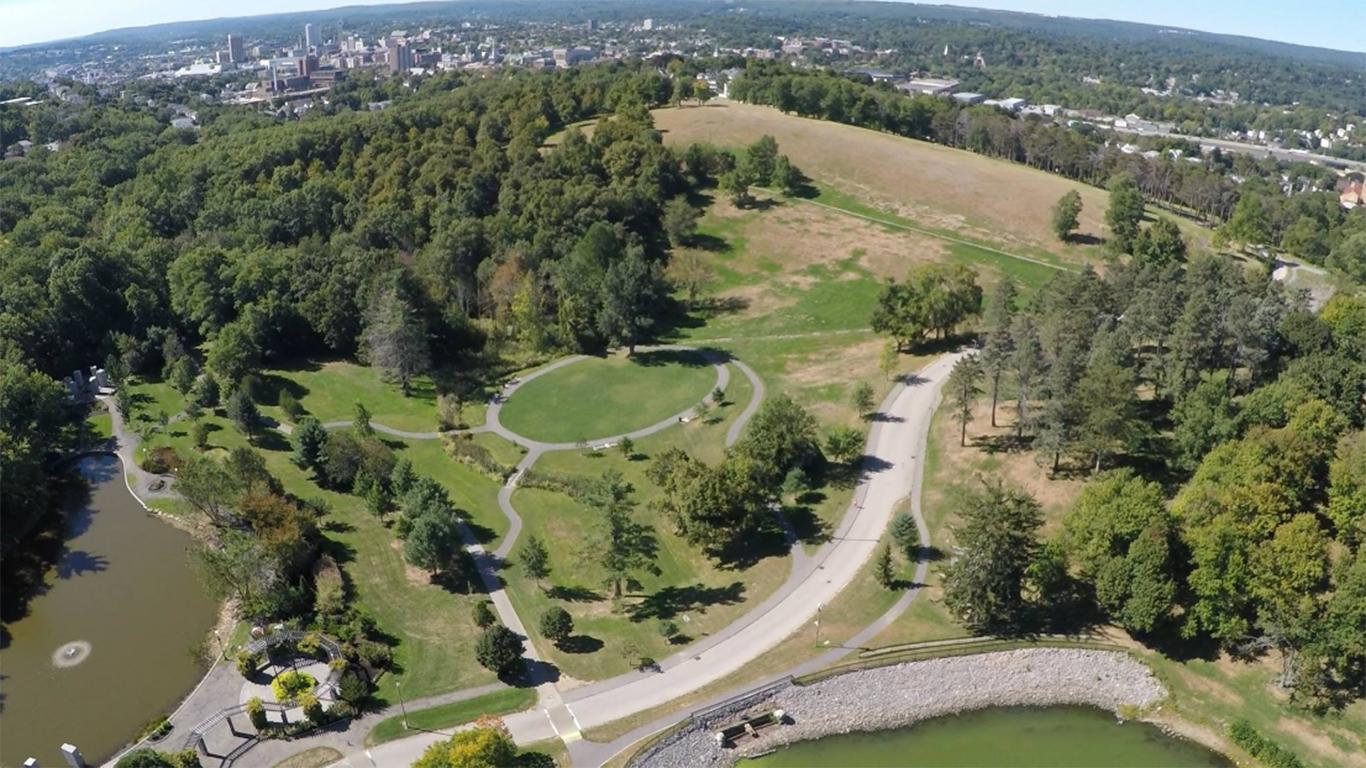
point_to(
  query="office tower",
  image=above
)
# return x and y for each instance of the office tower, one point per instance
(235, 53)
(311, 36)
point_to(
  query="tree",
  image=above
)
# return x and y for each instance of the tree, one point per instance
(1125, 212)
(1349, 256)
(631, 291)
(402, 477)
(1065, 214)
(1203, 418)
(786, 177)
(209, 487)
(396, 338)
(291, 407)
(360, 422)
(737, 188)
(1112, 421)
(556, 624)
(963, 389)
(1160, 245)
(844, 444)
(499, 650)
(906, 534)
(781, 436)
(310, 442)
(241, 409)
(882, 567)
(934, 298)
(235, 351)
(240, 568)
(483, 615)
(146, 757)
(627, 446)
(485, 746)
(1028, 363)
(535, 558)
(887, 361)
(1119, 533)
(123, 403)
(1347, 488)
(1000, 344)
(862, 399)
(1249, 224)
(433, 541)
(200, 435)
(761, 158)
(1288, 574)
(623, 546)
(997, 541)
(206, 391)
(680, 221)
(690, 273)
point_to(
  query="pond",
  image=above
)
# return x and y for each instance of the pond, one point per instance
(1017, 737)
(107, 643)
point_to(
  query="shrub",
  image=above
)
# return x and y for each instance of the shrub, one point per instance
(463, 449)
(556, 624)
(1271, 754)
(150, 758)
(313, 709)
(247, 663)
(309, 644)
(574, 486)
(450, 412)
(352, 688)
(256, 711)
(200, 431)
(290, 406)
(375, 655)
(161, 460)
(668, 630)
(288, 686)
(483, 615)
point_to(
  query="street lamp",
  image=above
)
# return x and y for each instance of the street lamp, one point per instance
(819, 606)
(398, 686)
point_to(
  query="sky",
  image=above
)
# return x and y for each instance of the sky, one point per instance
(1328, 23)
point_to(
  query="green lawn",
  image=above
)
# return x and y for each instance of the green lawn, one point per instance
(453, 714)
(472, 491)
(600, 397)
(329, 391)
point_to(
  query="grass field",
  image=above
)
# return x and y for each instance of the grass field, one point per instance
(601, 397)
(943, 189)
(316, 757)
(329, 391)
(451, 715)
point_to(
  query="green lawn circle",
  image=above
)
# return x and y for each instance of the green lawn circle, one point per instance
(602, 397)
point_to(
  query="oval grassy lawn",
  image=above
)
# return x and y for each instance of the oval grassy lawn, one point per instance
(601, 397)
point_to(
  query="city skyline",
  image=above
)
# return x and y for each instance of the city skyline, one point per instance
(1337, 24)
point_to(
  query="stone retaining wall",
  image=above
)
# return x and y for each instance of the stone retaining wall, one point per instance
(899, 695)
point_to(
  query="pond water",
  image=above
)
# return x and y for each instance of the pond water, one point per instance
(107, 644)
(1053, 737)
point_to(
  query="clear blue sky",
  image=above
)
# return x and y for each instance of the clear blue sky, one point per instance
(1329, 23)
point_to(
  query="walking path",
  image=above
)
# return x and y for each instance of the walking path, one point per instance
(891, 472)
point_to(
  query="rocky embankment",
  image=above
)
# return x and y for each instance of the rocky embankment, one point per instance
(899, 695)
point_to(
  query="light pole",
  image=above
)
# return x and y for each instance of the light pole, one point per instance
(819, 606)
(398, 686)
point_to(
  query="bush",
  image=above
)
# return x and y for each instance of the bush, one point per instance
(247, 663)
(150, 758)
(450, 412)
(256, 711)
(313, 709)
(556, 624)
(906, 534)
(463, 449)
(309, 644)
(483, 615)
(375, 655)
(288, 686)
(499, 650)
(668, 630)
(162, 460)
(1270, 753)
(573, 486)
(290, 406)
(353, 689)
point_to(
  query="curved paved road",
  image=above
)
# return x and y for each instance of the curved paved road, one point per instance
(894, 464)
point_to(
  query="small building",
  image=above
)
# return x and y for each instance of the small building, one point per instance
(968, 97)
(1353, 193)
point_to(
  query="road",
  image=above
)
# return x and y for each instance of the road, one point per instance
(1256, 150)
(893, 460)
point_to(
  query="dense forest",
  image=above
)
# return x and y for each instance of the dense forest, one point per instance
(1308, 224)
(442, 219)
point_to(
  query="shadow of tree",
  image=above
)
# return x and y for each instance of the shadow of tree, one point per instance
(668, 602)
(580, 644)
(574, 594)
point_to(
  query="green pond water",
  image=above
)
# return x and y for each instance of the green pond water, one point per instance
(106, 643)
(1054, 737)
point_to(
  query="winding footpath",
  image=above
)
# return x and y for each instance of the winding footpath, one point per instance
(893, 468)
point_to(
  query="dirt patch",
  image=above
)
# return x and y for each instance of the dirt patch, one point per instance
(1019, 468)
(839, 366)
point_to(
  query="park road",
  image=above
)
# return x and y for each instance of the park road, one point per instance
(895, 446)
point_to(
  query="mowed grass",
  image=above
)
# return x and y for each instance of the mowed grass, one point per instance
(609, 639)
(601, 397)
(329, 391)
(451, 715)
(431, 629)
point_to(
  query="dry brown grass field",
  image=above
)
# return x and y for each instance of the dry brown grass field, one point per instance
(937, 186)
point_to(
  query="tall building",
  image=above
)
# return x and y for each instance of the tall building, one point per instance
(648, 24)
(311, 36)
(235, 53)
(400, 58)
